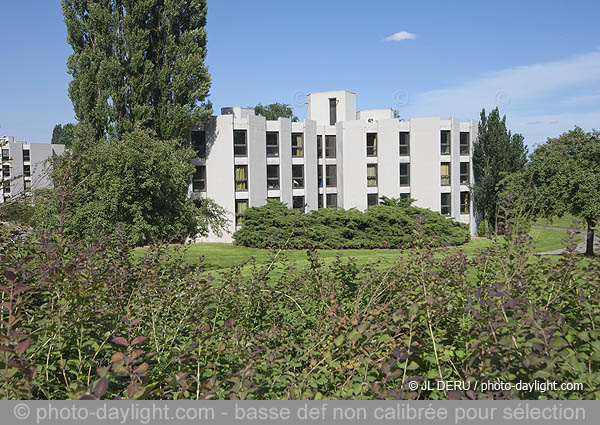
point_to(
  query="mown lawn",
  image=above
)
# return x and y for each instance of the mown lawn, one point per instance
(567, 221)
(221, 256)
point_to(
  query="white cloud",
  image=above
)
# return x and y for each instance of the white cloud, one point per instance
(538, 99)
(399, 36)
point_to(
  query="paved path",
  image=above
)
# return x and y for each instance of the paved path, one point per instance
(580, 246)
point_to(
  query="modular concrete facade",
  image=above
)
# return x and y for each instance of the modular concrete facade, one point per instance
(24, 167)
(336, 157)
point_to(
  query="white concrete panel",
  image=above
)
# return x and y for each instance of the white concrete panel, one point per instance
(425, 162)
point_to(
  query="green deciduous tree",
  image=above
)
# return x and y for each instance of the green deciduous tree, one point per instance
(138, 62)
(275, 111)
(138, 182)
(564, 175)
(496, 152)
(63, 134)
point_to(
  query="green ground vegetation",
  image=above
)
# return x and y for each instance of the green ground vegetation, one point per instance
(219, 257)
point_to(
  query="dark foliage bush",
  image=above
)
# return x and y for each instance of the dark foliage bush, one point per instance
(380, 226)
(88, 322)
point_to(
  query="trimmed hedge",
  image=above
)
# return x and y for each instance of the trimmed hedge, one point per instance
(380, 226)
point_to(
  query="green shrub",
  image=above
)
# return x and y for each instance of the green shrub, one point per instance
(88, 322)
(16, 212)
(381, 226)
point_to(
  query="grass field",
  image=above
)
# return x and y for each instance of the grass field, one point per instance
(220, 256)
(566, 221)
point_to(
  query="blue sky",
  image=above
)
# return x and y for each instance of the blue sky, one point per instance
(538, 60)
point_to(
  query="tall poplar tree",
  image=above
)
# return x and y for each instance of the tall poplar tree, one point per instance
(138, 62)
(496, 153)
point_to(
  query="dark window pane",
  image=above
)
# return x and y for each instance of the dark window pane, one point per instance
(330, 146)
(199, 143)
(445, 204)
(273, 177)
(319, 146)
(331, 175)
(464, 173)
(404, 174)
(298, 176)
(464, 143)
(5, 155)
(332, 111)
(272, 144)
(445, 142)
(372, 199)
(319, 176)
(298, 203)
(332, 200)
(240, 143)
(27, 170)
(371, 144)
(404, 195)
(404, 143)
(199, 179)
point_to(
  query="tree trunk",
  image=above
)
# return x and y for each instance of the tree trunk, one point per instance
(589, 249)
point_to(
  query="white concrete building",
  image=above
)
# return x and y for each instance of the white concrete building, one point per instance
(336, 157)
(24, 167)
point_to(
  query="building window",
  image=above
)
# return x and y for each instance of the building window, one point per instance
(320, 200)
(298, 176)
(372, 199)
(465, 205)
(404, 174)
(319, 176)
(272, 144)
(199, 143)
(298, 203)
(27, 170)
(241, 178)
(445, 204)
(331, 176)
(319, 146)
(199, 179)
(404, 143)
(27, 186)
(5, 155)
(371, 175)
(332, 111)
(464, 173)
(297, 145)
(240, 143)
(7, 187)
(331, 200)
(445, 142)
(26, 155)
(445, 173)
(273, 177)
(241, 205)
(464, 143)
(371, 144)
(330, 146)
(6, 170)
(405, 195)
